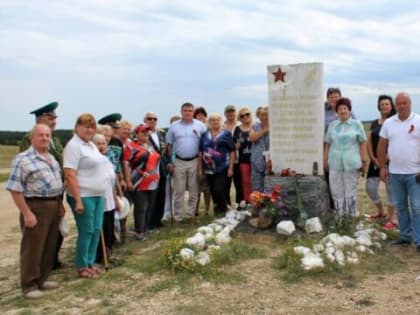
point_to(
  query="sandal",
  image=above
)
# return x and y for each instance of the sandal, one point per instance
(95, 270)
(376, 216)
(390, 226)
(84, 273)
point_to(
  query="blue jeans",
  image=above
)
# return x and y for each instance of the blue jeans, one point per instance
(406, 194)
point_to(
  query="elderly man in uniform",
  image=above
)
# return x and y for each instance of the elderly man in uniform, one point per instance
(46, 115)
(36, 186)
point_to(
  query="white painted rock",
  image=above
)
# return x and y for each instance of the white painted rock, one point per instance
(231, 214)
(349, 241)
(223, 237)
(242, 215)
(302, 250)
(206, 231)
(339, 257)
(330, 250)
(216, 227)
(312, 261)
(198, 241)
(313, 225)
(186, 253)
(364, 240)
(361, 248)
(331, 257)
(202, 258)
(285, 227)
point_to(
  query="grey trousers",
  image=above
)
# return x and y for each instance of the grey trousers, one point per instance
(185, 177)
(343, 185)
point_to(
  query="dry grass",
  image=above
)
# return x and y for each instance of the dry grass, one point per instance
(7, 153)
(250, 280)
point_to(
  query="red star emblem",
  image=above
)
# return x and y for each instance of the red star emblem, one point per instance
(279, 75)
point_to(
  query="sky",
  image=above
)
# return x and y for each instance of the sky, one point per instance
(105, 56)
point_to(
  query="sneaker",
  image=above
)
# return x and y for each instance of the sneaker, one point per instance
(140, 237)
(49, 285)
(390, 226)
(34, 294)
(401, 243)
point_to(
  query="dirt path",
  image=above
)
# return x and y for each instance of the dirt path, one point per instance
(260, 290)
(9, 227)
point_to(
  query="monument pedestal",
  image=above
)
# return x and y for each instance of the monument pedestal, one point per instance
(304, 196)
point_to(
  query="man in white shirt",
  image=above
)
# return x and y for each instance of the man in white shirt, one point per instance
(401, 135)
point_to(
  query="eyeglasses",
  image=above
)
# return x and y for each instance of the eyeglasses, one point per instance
(244, 115)
(151, 118)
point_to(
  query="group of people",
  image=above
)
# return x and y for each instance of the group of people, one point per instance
(390, 152)
(199, 154)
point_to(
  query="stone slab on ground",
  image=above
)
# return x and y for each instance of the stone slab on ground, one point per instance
(313, 193)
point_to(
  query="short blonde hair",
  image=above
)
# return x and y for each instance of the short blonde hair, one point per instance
(86, 120)
(126, 124)
(98, 137)
(243, 110)
(215, 116)
(101, 128)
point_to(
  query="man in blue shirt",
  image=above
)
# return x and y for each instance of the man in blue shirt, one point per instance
(184, 136)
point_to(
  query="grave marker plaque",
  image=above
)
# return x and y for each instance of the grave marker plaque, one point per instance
(296, 107)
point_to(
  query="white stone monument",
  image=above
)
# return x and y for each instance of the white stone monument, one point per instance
(296, 111)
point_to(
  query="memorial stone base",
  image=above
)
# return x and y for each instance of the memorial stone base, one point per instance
(304, 196)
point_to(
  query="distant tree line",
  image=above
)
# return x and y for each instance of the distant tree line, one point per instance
(14, 137)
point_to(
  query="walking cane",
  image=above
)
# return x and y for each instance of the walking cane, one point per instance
(104, 254)
(170, 201)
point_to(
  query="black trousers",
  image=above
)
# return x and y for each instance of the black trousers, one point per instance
(157, 214)
(144, 206)
(327, 179)
(237, 182)
(108, 229)
(217, 184)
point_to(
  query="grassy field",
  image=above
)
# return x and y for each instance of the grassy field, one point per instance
(256, 274)
(7, 153)
(252, 267)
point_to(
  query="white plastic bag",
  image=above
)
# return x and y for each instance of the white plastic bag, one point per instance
(63, 227)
